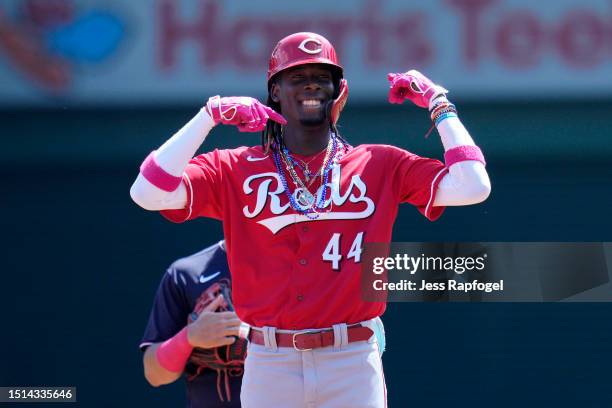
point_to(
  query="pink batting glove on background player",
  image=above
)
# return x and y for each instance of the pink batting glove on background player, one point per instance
(414, 86)
(248, 114)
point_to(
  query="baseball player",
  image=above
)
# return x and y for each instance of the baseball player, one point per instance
(296, 212)
(194, 300)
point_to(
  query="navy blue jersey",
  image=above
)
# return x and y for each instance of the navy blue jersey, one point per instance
(185, 285)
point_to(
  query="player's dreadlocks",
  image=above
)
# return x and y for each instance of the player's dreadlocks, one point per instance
(272, 135)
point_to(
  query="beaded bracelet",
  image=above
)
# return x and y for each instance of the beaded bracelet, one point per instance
(444, 116)
(437, 102)
(440, 104)
(442, 109)
(442, 112)
(438, 110)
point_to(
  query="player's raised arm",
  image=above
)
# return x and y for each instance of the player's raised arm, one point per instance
(159, 184)
(467, 181)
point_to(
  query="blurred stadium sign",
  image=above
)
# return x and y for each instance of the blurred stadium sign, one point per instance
(95, 52)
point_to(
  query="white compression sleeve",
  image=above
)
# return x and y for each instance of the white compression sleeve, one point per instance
(453, 134)
(173, 156)
(176, 152)
(467, 182)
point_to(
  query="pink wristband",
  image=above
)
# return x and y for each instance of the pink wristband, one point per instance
(157, 176)
(174, 352)
(463, 153)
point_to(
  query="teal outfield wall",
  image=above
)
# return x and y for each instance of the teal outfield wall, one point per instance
(523, 132)
(81, 262)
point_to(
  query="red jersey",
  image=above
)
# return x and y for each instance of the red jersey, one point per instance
(292, 272)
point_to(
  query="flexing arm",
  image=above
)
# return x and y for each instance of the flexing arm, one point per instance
(158, 185)
(467, 181)
(149, 191)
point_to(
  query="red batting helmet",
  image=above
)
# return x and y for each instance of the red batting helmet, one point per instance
(309, 48)
(302, 48)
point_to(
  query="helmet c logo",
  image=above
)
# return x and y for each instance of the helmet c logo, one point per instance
(316, 50)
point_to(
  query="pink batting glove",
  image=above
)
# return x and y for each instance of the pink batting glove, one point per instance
(414, 86)
(248, 114)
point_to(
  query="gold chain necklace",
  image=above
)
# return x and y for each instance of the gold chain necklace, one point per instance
(304, 166)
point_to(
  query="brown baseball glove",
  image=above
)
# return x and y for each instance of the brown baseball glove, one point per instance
(227, 361)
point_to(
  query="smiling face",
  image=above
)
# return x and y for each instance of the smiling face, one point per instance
(303, 93)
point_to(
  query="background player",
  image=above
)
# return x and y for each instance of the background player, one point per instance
(196, 289)
(296, 213)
